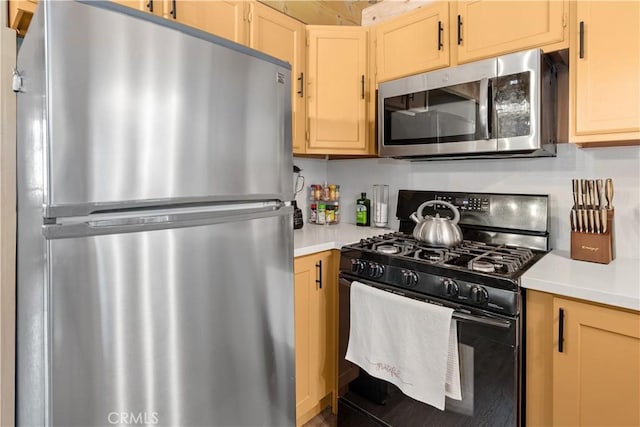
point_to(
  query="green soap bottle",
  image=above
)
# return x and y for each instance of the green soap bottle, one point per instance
(363, 210)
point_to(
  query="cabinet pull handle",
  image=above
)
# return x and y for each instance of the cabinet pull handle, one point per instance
(301, 80)
(173, 12)
(560, 330)
(459, 30)
(362, 86)
(581, 40)
(440, 45)
(319, 275)
(150, 5)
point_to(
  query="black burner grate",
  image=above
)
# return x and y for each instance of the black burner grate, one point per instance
(476, 256)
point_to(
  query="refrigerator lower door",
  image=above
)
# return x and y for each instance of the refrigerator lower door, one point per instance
(183, 326)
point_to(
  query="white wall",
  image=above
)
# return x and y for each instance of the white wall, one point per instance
(550, 176)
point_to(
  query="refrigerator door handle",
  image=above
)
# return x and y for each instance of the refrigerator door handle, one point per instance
(137, 221)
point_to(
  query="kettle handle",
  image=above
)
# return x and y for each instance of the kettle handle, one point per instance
(456, 213)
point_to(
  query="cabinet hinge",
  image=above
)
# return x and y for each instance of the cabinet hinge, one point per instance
(307, 41)
(250, 16)
(306, 135)
(564, 21)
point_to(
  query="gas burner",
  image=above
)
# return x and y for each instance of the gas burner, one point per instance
(482, 266)
(387, 249)
(432, 255)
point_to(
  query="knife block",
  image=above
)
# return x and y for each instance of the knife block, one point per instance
(594, 247)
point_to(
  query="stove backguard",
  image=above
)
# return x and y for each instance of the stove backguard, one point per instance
(500, 218)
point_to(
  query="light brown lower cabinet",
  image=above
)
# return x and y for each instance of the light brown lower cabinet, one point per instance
(583, 363)
(315, 289)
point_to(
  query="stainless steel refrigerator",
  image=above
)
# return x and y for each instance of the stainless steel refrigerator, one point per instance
(155, 252)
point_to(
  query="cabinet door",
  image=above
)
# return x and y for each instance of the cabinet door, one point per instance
(152, 6)
(222, 18)
(336, 90)
(415, 42)
(539, 358)
(314, 331)
(605, 79)
(20, 14)
(278, 35)
(489, 28)
(596, 377)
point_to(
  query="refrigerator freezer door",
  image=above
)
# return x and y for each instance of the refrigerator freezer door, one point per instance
(141, 108)
(188, 326)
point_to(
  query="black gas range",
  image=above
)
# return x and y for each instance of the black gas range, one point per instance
(504, 235)
(483, 275)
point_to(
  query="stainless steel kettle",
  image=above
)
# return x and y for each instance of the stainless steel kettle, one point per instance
(436, 231)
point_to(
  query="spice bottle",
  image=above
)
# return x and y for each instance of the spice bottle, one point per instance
(363, 207)
(321, 218)
(316, 191)
(325, 192)
(332, 192)
(313, 214)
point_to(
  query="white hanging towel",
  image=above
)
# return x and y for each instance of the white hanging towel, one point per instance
(409, 343)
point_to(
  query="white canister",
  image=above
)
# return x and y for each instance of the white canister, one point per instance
(380, 205)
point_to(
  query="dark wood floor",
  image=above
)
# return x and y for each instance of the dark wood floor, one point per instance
(323, 419)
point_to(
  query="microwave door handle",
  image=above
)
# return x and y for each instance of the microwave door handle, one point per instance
(484, 108)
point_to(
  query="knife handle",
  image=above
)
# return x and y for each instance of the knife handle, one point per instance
(572, 220)
(592, 193)
(600, 190)
(592, 228)
(580, 223)
(608, 188)
(576, 193)
(596, 217)
(583, 188)
(585, 220)
(604, 220)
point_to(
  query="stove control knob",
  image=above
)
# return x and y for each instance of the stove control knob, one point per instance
(375, 270)
(357, 266)
(451, 288)
(479, 295)
(409, 278)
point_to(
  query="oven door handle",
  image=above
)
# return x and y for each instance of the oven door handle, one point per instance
(483, 320)
(457, 315)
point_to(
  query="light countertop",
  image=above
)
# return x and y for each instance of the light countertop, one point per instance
(313, 238)
(616, 283)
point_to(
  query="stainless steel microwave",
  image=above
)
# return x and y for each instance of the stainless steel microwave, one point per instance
(498, 107)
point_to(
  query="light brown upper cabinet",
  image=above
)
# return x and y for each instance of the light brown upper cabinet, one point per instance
(596, 365)
(20, 13)
(157, 7)
(412, 43)
(486, 28)
(337, 87)
(604, 73)
(226, 19)
(283, 37)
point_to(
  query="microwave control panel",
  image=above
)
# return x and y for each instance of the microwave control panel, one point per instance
(468, 203)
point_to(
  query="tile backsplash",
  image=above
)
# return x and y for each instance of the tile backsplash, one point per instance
(550, 176)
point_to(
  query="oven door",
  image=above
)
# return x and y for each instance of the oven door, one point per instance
(489, 352)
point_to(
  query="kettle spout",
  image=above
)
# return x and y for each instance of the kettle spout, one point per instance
(414, 218)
